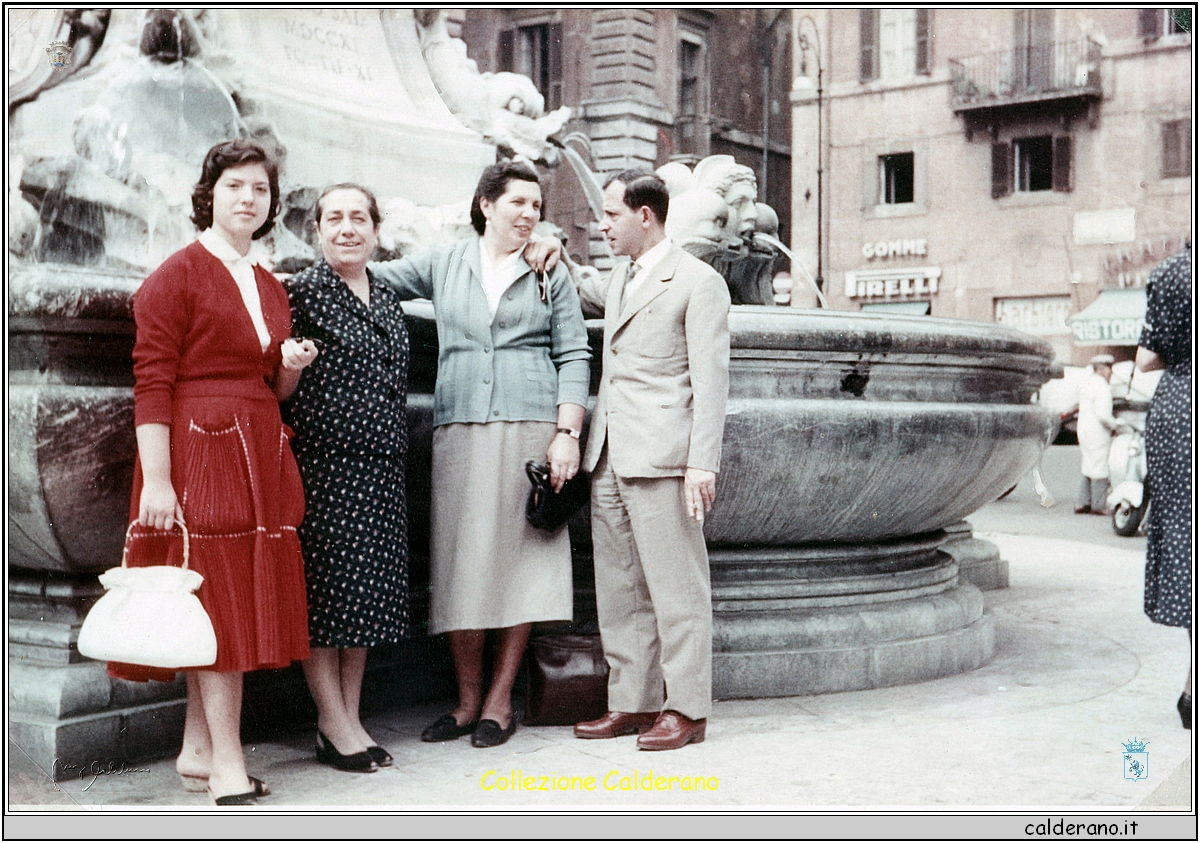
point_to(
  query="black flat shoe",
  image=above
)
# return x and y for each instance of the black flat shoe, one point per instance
(446, 728)
(199, 784)
(359, 762)
(235, 800)
(380, 756)
(1184, 706)
(488, 733)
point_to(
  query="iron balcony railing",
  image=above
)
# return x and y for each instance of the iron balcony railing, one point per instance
(1027, 74)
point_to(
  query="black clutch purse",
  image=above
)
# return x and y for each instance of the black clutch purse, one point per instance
(549, 511)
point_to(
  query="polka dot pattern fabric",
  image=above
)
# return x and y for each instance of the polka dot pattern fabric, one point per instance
(1168, 332)
(349, 414)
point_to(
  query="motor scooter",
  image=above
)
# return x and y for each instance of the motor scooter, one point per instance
(1130, 496)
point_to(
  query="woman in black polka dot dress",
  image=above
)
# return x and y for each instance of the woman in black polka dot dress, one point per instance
(1166, 343)
(351, 437)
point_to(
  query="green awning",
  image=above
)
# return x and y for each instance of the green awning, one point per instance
(1115, 318)
(912, 308)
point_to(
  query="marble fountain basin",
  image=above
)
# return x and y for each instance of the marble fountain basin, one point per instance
(853, 427)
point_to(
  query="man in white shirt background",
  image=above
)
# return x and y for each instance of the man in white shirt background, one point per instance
(1095, 429)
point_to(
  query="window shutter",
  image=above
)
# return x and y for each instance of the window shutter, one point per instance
(1001, 170)
(1061, 165)
(554, 95)
(1149, 23)
(868, 41)
(1177, 148)
(1185, 146)
(924, 42)
(508, 38)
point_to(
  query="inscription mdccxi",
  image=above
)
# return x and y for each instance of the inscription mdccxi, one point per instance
(323, 45)
(322, 35)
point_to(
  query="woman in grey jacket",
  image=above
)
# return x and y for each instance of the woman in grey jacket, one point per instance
(512, 386)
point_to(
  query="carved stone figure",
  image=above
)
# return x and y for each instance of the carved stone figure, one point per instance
(713, 216)
(697, 221)
(504, 107)
(736, 184)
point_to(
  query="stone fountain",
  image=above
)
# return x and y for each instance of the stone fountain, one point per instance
(852, 442)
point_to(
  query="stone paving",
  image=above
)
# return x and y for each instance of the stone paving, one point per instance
(1078, 671)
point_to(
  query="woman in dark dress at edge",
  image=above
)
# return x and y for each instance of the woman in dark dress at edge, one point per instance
(212, 359)
(1166, 343)
(351, 437)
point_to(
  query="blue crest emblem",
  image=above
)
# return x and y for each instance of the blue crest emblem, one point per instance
(60, 53)
(1136, 760)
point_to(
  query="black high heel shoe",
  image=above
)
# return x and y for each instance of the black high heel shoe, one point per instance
(1184, 707)
(359, 762)
(380, 756)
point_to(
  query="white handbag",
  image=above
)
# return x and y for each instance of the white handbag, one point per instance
(150, 616)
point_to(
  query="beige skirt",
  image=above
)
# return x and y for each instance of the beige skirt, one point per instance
(489, 568)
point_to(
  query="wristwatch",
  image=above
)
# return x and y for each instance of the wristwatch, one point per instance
(574, 434)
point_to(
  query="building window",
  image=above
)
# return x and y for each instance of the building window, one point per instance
(894, 43)
(533, 55)
(1033, 49)
(1155, 23)
(896, 178)
(1177, 148)
(535, 51)
(1032, 164)
(689, 96)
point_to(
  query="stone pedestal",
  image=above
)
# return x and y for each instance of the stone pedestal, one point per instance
(842, 618)
(979, 561)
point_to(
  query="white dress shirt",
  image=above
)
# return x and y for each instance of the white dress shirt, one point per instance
(242, 270)
(640, 271)
(497, 277)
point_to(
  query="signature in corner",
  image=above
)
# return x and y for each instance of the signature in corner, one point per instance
(96, 769)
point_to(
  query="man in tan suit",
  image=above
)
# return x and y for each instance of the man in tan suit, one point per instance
(654, 451)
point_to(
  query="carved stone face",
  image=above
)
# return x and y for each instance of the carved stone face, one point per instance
(743, 213)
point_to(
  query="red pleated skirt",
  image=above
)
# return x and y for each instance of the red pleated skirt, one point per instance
(238, 484)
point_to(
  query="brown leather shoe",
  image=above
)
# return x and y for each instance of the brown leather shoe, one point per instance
(671, 731)
(614, 724)
(1082, 510)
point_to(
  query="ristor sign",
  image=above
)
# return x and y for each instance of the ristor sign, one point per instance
(1106, 331)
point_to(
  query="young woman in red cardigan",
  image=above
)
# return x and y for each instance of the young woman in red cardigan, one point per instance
(212, 359)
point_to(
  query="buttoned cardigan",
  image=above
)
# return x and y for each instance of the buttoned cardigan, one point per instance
(518, 366)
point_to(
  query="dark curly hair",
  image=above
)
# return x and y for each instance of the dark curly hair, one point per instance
(494, 182)
(220, 158)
